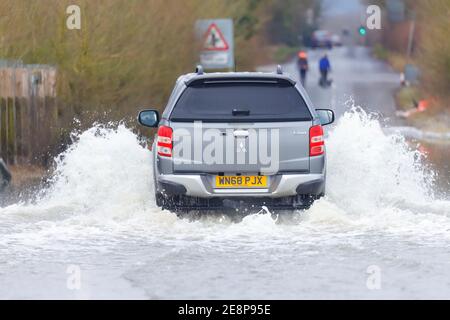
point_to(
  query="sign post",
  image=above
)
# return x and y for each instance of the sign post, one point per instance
(216, 41)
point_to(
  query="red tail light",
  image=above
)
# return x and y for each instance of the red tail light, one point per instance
(316, 141)
(164, 143)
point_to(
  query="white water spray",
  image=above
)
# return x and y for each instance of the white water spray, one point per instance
(105, 180)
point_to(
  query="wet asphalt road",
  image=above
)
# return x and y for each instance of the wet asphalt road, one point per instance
(356, 75)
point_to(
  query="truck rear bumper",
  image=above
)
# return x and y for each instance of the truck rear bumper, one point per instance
(202, 186)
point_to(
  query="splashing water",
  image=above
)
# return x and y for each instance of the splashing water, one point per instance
(100, 199)
(106, 177)
(374, 170)
(377, 180)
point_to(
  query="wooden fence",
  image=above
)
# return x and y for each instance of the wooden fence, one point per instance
(28, 111)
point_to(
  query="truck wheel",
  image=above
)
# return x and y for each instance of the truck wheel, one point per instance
(159, 199)
(165, 202)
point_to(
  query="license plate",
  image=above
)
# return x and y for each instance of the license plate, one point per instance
(241, 182)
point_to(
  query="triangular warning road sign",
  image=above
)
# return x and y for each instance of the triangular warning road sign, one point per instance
(214, 39)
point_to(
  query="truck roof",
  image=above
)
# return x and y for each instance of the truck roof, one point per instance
(257, 76)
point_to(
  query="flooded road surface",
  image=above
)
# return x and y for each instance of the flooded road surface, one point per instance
(98, 223)
(383, 231)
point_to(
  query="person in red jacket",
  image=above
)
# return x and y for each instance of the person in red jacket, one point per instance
(303, 66)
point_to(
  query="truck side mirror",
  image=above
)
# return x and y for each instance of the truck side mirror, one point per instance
(149, 118)
(326, 116)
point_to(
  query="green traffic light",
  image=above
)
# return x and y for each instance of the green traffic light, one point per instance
(362, 31)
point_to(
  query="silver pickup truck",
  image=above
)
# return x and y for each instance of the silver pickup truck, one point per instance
(238, 139)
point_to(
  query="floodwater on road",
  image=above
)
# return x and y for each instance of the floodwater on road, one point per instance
(382, 232)
(95, 232)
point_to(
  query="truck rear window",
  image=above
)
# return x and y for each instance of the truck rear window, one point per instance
(241, 102)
